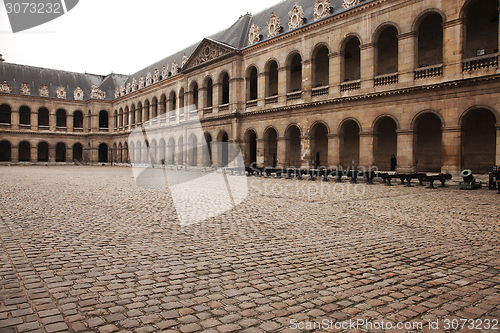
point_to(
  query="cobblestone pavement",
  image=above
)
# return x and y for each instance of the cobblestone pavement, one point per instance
(83, 249)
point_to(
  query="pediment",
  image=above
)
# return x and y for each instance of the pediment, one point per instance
(207, 51)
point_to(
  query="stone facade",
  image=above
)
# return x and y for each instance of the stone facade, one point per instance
(417, 79)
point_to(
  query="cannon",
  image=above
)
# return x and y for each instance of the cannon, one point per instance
(469, 182)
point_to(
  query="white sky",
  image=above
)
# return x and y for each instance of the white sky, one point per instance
(120, 36)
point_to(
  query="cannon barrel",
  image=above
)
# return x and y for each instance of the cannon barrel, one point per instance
(467, 176)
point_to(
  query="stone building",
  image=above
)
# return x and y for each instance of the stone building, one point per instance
(304, 83)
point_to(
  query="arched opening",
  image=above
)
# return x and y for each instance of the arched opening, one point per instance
(171, 151)
(225, 89)
(251, 82)
(116, 153)
(321, 67)
(478, 140)
(293, 147)
(482, 28)
(146, 111)
(78, 119)
(77, 152)
(319, 146)
(181, 101)
(430, 41)
(172, 104)
(154, 107)
(103, 119)
(210, 93)
(139, 113)
(270, 147)
(138, 153)
(207, 153)
(89, 117)
(121, 118)
(161, 156)
(195, 95)
(126, 114)
(251, 147)
(153, 152)
(133, 118)
(385, 142)
(5, 151)
(43, 117)
(115, 119)
(352, 60)
(349, 144)
(103, 153)
(5, 114)
(132, 153)
(125, 154)
(24, 115)
(61, 118)
(223, 149)
(145, 154)
(60, 152)
(163, 104)
(295, 74)
(387, 51)
(428, 143)
(272, 79)
(193, 151)
(24, 152)
(180, 151)
(43, 152)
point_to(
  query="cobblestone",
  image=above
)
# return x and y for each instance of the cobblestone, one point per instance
(83, 249)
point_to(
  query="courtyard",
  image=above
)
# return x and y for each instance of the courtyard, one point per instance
(84, 249)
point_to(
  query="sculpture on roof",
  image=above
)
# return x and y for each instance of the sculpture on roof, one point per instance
(253, 35)
(61, 92)
(164, 72)
(97, 93)
(350, 3)
(273, 26)
(117, 92)
(184, 60)
(43, 91)
(122, 90)
(78, 94)
(141, 82)
(134, 85)
(295, 17)
(25, 89)
(321, 9)
(149, 79)
(156, 76)
(5, 87)
(175, 68)
(128, 88)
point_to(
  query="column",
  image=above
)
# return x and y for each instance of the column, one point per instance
(14, 121)
(217, 96)
(34, 120)
(261, 89)
(453, 35)
(367, 69)
(69, 154)
(281, 152)
(451, 149)
(52, 120)
(335, 70)
(305, 152)
(405, 150)
(306, 80)
(282, 84)
(407, 47)
(52, 153)
(237, 94)
(33, 153)
(202, 99)
(69, 122)
(366, 140)
(333, 150)
(14, 153)
(260, 152)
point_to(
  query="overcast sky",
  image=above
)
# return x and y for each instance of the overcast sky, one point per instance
(120, 36)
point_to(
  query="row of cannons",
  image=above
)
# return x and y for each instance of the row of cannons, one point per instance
(353, 175)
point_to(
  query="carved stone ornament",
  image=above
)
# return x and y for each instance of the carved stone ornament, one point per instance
(128, 88)
(175, 68)
(6, 87)
(134, 85)
(149, 79)
(208, 50)
(253, 35)
(141, 82)
(164, 72)
(78, 94)
(321, 9)
(43, 91)
(156, 76)
(350, 3)
(122, 90)
(117, 92)
(295, 17)
(97, 93)
(61, 92)
(25, 89)
(184, 60)
(273, 26)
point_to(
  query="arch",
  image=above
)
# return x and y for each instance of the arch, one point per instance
(78, 119)
(272, 78)
(61, 118)
(320, 65)
(43, 152)
(209, 91)
(430, 39)
(422, 15)
(414, 120)
(319, 144)
(5, 151)
(161, 151)
(224, 91)
(479, 137)
(171, 151)
(126, 117)
(163, 104)
(78, 152)
(207, 153)
(251, 83)
(481, 35)
(351, 68)
(43, 117)
(193, 150)
(221, 149)
(385, 141)
(120, 123)
(181, 100)
(293, 135)
(103, 119)
(153, 152)
(172, 103)
(133, 117)
(117, 153)
(294, 72)
(24, 115)
(125, 153)
(270, 146)
(387, 49)
(349, 142)
(139, 113)
(5, 114)
(146, 110)
(154, 108)
(250, 147)
(60, 152)
(138, 153)
(195, 91)
(24, 151)
(115, 118)
(103, 153)
(428, 141)
(180, 151)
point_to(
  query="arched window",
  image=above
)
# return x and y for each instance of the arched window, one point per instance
(225, 89)
(5, 114)
(352, 60)
(272, 79)
(61, 118)
(251, 82)
(482, 28)
(43, 117)
(195, 95)
(209, 92)
(77, 119)
(321, 67)
(387, 51)
(295, 74)
(103, 119)
(24, 115)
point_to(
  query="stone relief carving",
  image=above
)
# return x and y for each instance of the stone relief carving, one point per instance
(273, 26)
(6, 87)
(207, 51)
(97, 93)
(117, 92)
(164, 72)
(78, 94)
(61, 92)
(149, 79)
(43, 91)
(175, 68)
(141, 82)
(321, 9)
(156, 76)
(25, 89)
(184, 60)
(295, 17)
(128, 88)
(122, 90)
(350, 3)
(134, 85)
(253, 35)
